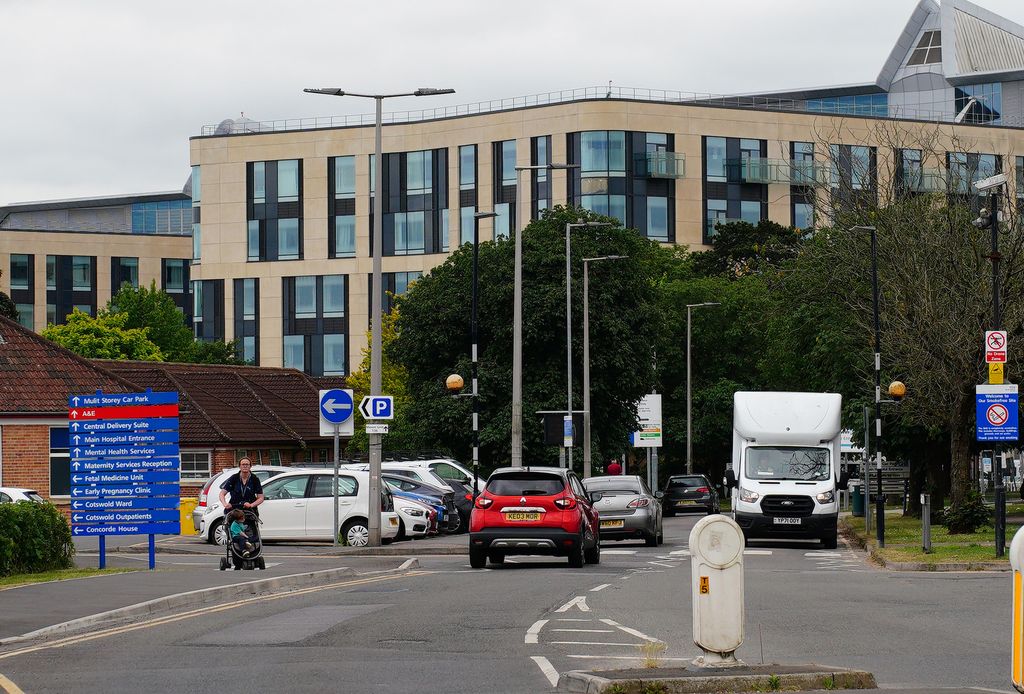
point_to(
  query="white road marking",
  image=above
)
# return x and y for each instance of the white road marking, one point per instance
(822, 554)
(758, 552)
(580, 602)
(407, 563)
(661, 563)
(631, 632)
(511, 561)
(618, 551)
(588, 631)
(624, 657)
(568, 619)
(547, 668)
(684, 552)
(594, 643)
(600, 587)
(531, 633)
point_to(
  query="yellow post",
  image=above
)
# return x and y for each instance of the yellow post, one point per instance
(1017, 642)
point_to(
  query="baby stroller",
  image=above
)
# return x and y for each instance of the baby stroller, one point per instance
(252, 559)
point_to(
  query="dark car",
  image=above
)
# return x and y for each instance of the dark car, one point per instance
(463, 501)
(685, 493)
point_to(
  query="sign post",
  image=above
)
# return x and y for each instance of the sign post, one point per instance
(336, 410)
(648, 415)
(376, 407)
(125, 466)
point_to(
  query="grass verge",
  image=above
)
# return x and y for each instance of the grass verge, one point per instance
(903, 540)
(62, 575)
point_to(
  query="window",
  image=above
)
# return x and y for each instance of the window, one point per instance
(508, 163)
(928, 50)
(447, 471)
(418, 172)
(26, 315)
(404, 279)
(409, 233)
(287, 239)
(51, 272)
(295, 352)
(852, 167)
(345, 236)
(913, 176)
(714, 159)
(197, 243)
(323, 485)
(802, 155)
(860, 161)
(60, 462)
(288, 180)
(466, 221)
(81, 273)
(750, 211)
(129, 271)
(254, 240)
(174, 276)
(445, 229)
(249, 349)
(875, 105)
(987, 104)
(305, 297)
(750, 149)
(502, 223)
(603, 153)
(334, 296)
(51, 314)
(334, 355)
(259, 182)
(249, 299)
(197, 301)
(344, 178)
(83, 308)
(657, 218)
(286, 488)
(196, 185)
(803, 215)
(20, 264)
(543, 158)
(467, 167)
(607, 205)
(195, 466)
(163, 217)
(717, 210)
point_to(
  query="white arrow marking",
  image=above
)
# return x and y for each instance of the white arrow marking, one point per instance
(332, 405)
(75, 399)
(78, 439)
(74, 426)
(78, 531)
(76, 465)
(77, 451)
(74, 414)
(531, 633)
(76, 478)
(580, 602)
(547, 668)
(76, 492)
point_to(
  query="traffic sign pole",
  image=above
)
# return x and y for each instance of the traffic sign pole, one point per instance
(337, 429)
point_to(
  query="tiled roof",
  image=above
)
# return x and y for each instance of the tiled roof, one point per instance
(37, 376)
(241, 405)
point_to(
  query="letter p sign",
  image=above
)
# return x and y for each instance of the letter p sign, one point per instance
(377, 407)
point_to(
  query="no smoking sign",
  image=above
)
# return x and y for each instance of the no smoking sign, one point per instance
(997, 412)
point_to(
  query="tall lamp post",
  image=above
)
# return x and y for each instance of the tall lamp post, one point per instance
(517, 314)
(474, 330)
(689, 389)
(586, 357)
(375, 310)
(568, 319)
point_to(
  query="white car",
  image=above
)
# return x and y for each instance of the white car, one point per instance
(437, 472)
(10, 494)
(298, 506)
(414, 518)
(208, 516)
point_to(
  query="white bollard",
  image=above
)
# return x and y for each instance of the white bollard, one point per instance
(716, 550)
(1017, 640)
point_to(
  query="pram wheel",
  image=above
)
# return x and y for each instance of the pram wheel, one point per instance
(224, 564)
(261, 564)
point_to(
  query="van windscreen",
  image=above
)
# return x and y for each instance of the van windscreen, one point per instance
(787, 463)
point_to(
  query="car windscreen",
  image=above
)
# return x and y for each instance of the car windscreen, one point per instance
(613, 488)
(686, 482)
(787, 463)
(525, 484)
(35, 497)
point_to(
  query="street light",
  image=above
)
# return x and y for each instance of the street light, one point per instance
(689, 389)
(586, 357)
(569, 226)
(474, 330)
(375, 310)
(517, 316)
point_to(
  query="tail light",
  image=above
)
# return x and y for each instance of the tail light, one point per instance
(203, 494)
(638, 503)
(484, 502)
(469, 497)
(565, 503)
(703, 490)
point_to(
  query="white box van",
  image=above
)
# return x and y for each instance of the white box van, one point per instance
(784, 472)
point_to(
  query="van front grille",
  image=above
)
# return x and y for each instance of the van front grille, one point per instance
(787, 505)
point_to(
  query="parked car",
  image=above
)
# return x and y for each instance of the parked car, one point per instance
(11, 494)
(208, 516)
(415, 518)
(464, 500)
(452, 471)
(627, 509)
(690, 493)
(443, 500)
(417, 470)
(299, 505)
(534, 510)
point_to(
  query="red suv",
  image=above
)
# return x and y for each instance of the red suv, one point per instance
(534, 510)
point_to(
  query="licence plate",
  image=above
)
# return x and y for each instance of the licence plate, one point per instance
(786, 521)
(613, 523)
(686, 502)
(519, 516)
(393, 521)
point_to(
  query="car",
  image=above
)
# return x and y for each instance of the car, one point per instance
(208, 516)
(298, 506)
(690, 493)
(415, 518)
(452, 471)
(11, 494)
(442, 499)
(534, 510)
(627, 509)
(417, 470)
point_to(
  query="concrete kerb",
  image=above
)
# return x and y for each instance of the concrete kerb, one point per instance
(403, 550)
(203, 596)
(695, 680)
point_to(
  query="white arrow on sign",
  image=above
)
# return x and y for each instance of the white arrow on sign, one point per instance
(78, 439)
(74, 426)
(78, 531)
(74, 414)
(76, 465)
(76, 492)
(75, 478)
(333, 405)
(76, 400)
(77, 517)
(77, 451)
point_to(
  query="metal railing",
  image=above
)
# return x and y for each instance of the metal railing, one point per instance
(668, 96)
(661, 165)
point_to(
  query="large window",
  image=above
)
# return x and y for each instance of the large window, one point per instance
(51, 272)
(714, 159)
(503, 222)
(928, 49)
(345, 236)
(334, 296)
(803, 215)
(334, 355)
(174, 276)
(288, 180)
(259, 182)
(163, 217)
(253, 240)
(274, 206)
(717, 211)
(508, 163)
(344, 178)
(965, 169)
(750, 211)
(249, 299)
(607, 205)
(305, 297)
(467, 167)
(466, 221)
(852, 167)
(81, 273)
(20, 270)
(983, 102)
(60, 462)
(603, 153)
(657, 219)
(287, 239)
(874, 105)
(26, 315)
(409, 233)
(295, 352)
(418, 166)
(195, 466)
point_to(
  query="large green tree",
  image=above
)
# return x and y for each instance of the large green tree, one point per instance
(434, 336)
(104, 337)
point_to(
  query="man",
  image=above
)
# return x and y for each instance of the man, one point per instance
(613, 468)
(242, 490)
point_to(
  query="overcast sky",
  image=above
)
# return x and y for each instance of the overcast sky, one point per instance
(100, 97)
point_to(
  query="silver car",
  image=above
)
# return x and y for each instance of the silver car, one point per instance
(627, 509)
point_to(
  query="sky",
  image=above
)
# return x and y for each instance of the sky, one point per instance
(100, 97)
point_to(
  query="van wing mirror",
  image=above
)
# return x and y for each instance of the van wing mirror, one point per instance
(730, 479)
(844, 480)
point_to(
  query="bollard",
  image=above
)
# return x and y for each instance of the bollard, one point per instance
(716, 550)
(906, 496)
(1017, 641)
(926, 523)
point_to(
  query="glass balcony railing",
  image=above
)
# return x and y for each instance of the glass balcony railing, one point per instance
(925, 181)
(767, 171)
(661, 165)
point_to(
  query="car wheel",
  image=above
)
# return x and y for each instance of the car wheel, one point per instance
(477, 557)
(661, 536)
(593, 555)
(355, 533)
(576, 559)
(651, 540)
(669, 514)
(218, 534)
(496, 558)
(401, 530)
(830, 541)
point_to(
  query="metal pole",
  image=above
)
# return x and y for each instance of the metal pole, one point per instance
(997, 320)
(689, 399)
(473, 330)
(568, 332)
(653, 483)
(517, 335)
(334, 486)
(586, 369)
(926, 523)
(375, 323)
(879, 501)
(867, 470)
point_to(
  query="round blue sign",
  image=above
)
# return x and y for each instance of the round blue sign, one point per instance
(336, 405)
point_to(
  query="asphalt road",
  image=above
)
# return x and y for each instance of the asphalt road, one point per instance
(513, 628)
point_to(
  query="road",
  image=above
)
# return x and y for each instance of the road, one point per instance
(512, 628)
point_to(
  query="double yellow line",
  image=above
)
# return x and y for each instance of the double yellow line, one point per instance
(159, 621)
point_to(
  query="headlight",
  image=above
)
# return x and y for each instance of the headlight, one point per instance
(826, 497)
(748, 496)
(414, 512)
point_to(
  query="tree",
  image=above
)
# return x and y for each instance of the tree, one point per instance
(103, 337)
(7, 307)
(154, 309)
(215, 352)
(434, 337)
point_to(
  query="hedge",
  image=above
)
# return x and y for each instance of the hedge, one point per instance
(34, 537)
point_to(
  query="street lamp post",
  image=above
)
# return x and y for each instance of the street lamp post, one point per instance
(689, 389)
(474, 330)
(586, 357)
(375, 311)
(568, 319)
(517, 314)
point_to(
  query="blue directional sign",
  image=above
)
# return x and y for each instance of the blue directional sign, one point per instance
(125, 425)
(104, 504)
(128, 529)
(123, 399)
(128, 516)
(336, 405)
(377, 407)
(80, 479)
(162, 450)
(123, 438)
(121, 464)
(104, 490)
(996, 412)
